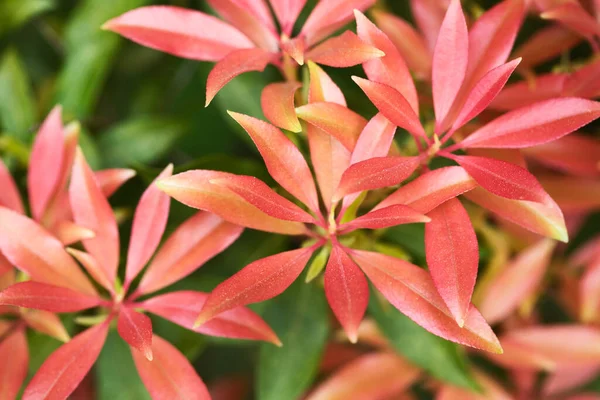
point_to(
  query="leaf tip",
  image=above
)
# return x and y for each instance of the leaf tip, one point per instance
(148, 354)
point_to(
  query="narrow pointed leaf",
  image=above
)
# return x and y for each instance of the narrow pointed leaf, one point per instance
(47, 323)
(42, 296)
(589, 292)
(277, 103)
(575, 17)
(546, 44)
(535, 124)
(345, 50)
(183, 308)
(347, 291)
(384, 218)
(196, 241)
(13, 369)
(9, 196)
(575, 154)
(527, 92)
(179, 31)
(375, 140)
(149, 223)
(169, 375)
(68, 232)
(564, 379)
(429, 16)
(33, 250)
(287, 12)
(110, 180)
(64, 370)
(573, 194)
(90, 264)
(261, 280)
(136, 329)
(322, 87)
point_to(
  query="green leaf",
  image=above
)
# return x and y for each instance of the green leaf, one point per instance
(116, 375)
(441, 358)
(14, 13)
(140, 140)
(300, 319)
(409, 236)
(318, 263)
(17, 105)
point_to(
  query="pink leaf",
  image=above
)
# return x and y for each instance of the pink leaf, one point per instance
(64, 370)
(194, 188)
(47, 157)
(68, 232)
(110, 180)
(287, 12)
(392, 104)
(9, 196)
(584, 82)
(277, 103)
(169, 375)
(149, 223)
(536, 124)
(384, 218)
(502, 178)
(196, 241)
(389, 69)
(573, 194)
(259, 281)
(183, 308)
(431, 189)
(283, 159)
(322, 88)
(452, 256)
(42, 296)
(47, 323)
(233, 64)
(90, 264)
(575, 17)
(564, 379)
(575, 154)
(450, 60)
(589, 288)
(375, 173)
(91, 210)
(347, 291)
(429, 15)
(179, 31)
(546, 44)
(33, 250)
(13, 369)
(411, 290)
(345, 50)
(375, 140)
(517, 282)
(524, 93)
(136, 329)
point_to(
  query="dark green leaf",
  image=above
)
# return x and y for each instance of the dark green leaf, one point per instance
(14, 13)
(17, 105)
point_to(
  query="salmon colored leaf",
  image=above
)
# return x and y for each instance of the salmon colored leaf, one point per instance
(338, 121)
(136, 329)
(287, 12)
(179, 31)
(347, 291)
(68, 232)
(149, 223)
(9, 196)
(429, 15)
(194, 189)
(573, 194)
(384, 218)
(110, 180)
(375, 140)
(91, 210)
(564, 379)
(259, 281)
(545, 44)
(575, 17)
(277, 103)
(282, 158)
(517, 282)
(234, 64)
(589, 293)
(47, 323)
(90, 264)
(33, 250)
(450, 59)
(322, 88)
(47, 157)
(535, 124)
(528, 92)
(183, 308)
(411, 290)
(13, 371)
(193, 243)
(389, 69)
(392, 104)
(345, 50)
(375, 173)
(452, 256)
(169, 375)
(41, 296)
(64, 370)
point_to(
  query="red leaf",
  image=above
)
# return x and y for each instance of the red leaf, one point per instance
(450, 60)
(283, 159)
(91, 210)
(452, 256)
(110, 180)
(179, 31)
(384, 218)
(545, 44)
(136, 329)
(392, 104)
(287, 12)
(575, 154)
(233, 64)
(32, 249)
(169, 375)
(194, 189)
(259, 281)
(347, 291)
(535, 124)
(575, 17)
(411, 290)
(584, 81)
(431, 189)
(41, 296)
(345, 50)
(277, 103)
(193, 243)
(573, 194)
(389, 69)
(62, 372)
(9, 196)
(503, 178)
(528, 92)
(15, 361)
(47, 157)
(183, 308)
(375, 173)
(149, 222)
